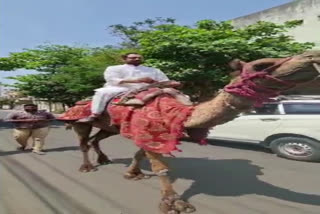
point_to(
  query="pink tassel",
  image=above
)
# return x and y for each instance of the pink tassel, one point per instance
(203, 142)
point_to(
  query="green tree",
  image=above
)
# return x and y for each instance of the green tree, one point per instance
(130, 34)
(86, 74)
(44, 58)
(65, 74)
(199, 55)
(44, 86)
(196, 55)
(48, 60)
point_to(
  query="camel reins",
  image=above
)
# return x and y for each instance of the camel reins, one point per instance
(247, 87)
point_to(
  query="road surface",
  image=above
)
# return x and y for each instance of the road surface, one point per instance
(216, 179)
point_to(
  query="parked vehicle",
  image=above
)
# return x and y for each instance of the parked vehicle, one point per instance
(289, 126)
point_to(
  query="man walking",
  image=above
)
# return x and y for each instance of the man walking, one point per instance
(31, 123)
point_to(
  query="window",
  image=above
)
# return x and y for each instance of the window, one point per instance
(266, 109)
(302, 108)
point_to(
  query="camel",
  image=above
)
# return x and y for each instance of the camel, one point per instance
(265, 78)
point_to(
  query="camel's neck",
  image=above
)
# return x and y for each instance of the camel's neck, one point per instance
(221, 109)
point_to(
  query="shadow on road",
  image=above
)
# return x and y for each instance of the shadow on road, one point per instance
(234, 145)
(227, 177)
(60, 149)
(242, 146)
(7, 125)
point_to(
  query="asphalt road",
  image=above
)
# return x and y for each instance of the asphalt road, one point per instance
(216, 179)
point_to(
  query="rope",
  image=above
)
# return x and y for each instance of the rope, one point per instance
(248, 87)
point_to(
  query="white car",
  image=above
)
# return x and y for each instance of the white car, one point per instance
(289, 127)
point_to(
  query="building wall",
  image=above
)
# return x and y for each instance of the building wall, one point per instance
(306, 10)
(309, 31)
(44, 105)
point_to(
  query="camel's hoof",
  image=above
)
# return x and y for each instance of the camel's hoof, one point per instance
(183, 206)
(87, 168)
(136, 176)
(174, 205)
(103, 160)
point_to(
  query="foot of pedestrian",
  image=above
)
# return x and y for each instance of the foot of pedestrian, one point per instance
(38, 152)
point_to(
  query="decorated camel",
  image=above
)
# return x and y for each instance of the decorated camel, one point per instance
(157, 126)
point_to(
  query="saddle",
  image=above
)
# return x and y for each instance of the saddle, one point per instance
(139, 97)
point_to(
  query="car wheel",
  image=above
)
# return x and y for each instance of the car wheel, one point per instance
(296, 148)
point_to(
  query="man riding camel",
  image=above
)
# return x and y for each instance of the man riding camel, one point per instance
(123, 78)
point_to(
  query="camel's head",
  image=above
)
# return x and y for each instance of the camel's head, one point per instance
(300, 68)
(297, 69)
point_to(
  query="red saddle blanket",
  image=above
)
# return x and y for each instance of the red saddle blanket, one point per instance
(155, 127)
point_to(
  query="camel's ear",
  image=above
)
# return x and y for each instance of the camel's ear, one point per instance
(236, 64)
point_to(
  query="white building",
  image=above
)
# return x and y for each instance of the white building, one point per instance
(306, 10)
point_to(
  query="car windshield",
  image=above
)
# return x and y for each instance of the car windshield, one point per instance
(302, 108)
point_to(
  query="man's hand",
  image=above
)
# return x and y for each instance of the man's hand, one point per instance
(175, 84)
(146, 80)
(140, 80)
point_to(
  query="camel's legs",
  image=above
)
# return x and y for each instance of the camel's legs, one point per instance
(160, 168)
(134, 171)
(102, 158)
(171, 202)
(83, 131)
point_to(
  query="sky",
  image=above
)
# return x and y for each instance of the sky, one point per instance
(28, 23)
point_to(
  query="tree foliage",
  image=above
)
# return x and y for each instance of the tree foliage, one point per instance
(65, 74)
(199, 55)
(44, 58)
(130, 34)
(86, 74)
(196, 55)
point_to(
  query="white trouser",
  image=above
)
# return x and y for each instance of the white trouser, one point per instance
(103, 95)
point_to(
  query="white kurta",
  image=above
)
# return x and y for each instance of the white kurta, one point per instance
(114, 75)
